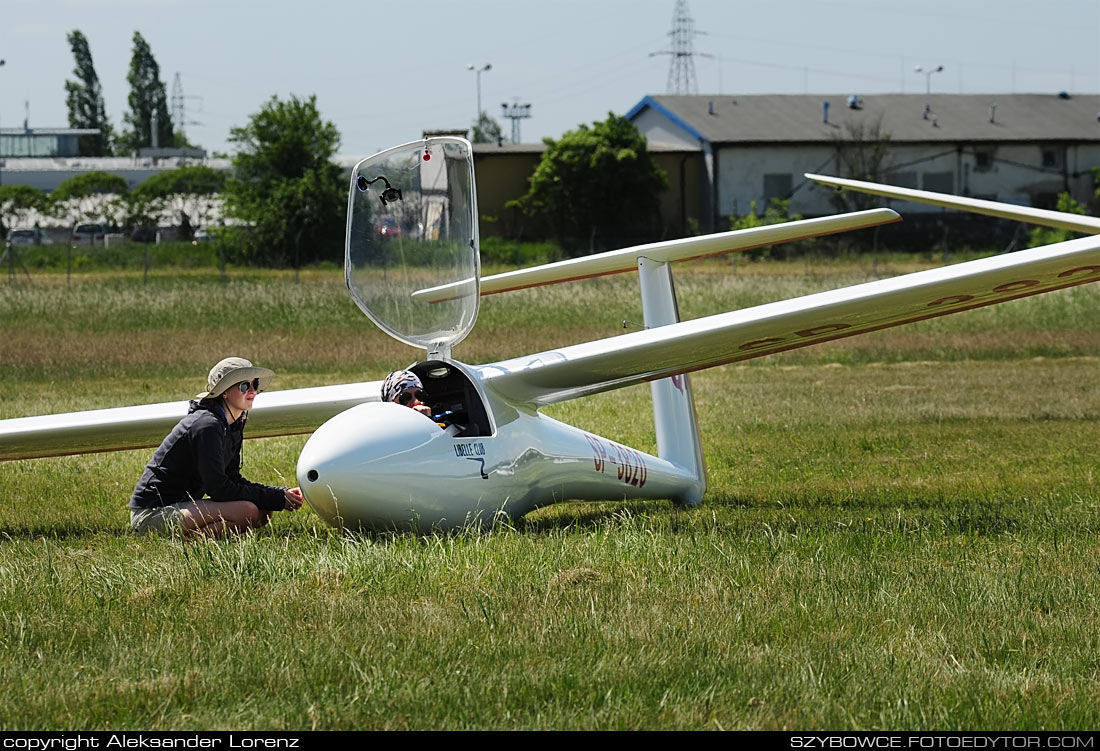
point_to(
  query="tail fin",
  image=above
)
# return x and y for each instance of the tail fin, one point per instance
(673, 405)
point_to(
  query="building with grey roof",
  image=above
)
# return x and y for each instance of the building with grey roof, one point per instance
(1018, 148)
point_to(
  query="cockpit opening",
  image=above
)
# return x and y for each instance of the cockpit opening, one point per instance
(454, 400)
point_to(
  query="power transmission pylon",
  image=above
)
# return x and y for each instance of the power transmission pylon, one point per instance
(179, 107)
(681, 68)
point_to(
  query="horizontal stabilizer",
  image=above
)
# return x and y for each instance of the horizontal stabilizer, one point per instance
(607, 364)
(685, 249)
(1089, 225)
(276, 413)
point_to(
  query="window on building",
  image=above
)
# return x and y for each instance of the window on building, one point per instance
(1047, 201)
(777, 185)
(939, 182)
(902, 179)
(983, 158)
(1051, 157)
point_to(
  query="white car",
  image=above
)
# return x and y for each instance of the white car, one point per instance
(28, 237)
(89, 234)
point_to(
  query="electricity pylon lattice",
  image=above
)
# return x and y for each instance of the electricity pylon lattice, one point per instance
(681, 68)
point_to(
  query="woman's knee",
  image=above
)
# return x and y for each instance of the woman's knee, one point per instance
(253, 516)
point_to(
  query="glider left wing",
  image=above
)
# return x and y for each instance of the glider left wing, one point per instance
(1089, 225)
(278, 413)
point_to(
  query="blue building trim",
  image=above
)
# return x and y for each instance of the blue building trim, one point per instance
(676, 119)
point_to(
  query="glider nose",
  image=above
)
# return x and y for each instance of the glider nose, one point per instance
(357, 468)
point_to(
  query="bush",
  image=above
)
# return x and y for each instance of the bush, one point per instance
(500, 252)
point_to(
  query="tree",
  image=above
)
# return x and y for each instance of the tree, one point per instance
(861, 155)
(597, 181)
(84, 97)
(487, 130)
(147, 99)
(189, 192)
(91, 195)
(778, 211)
(1049, 235)
(16, 203)
(285, 186)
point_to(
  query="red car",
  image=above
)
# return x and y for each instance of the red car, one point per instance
(388, 227)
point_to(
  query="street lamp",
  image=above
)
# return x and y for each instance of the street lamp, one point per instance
(479, 71)
(928, 76)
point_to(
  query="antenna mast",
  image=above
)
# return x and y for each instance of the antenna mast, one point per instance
(681, 68)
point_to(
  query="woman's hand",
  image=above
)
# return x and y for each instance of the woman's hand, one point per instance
(294, 499)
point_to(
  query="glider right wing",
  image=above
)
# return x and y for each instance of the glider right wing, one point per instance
(582, 369)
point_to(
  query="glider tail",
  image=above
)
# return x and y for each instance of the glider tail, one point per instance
(673, 405)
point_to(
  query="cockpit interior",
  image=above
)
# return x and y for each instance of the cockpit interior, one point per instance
(455, 403)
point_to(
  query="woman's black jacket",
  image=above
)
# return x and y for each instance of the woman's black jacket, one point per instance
(202, 457)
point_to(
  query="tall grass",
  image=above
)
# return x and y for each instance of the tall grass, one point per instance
(900, 532)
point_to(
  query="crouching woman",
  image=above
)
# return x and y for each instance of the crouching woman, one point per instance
(193, 483)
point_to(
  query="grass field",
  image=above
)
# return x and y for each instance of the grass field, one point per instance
(902, 530)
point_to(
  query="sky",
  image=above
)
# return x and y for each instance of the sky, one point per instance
(383, 72)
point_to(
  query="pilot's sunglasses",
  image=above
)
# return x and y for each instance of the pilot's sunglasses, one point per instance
(244, 386)
(407, 397)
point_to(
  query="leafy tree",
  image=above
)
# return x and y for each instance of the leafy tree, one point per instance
(16, 203)
(1050, 235)
(487, 130)
(285, 186)
(778, 211)
(84, 97)
(91, 195)
(189, 192)
(147, 98)
(596, 181)
(861, 155)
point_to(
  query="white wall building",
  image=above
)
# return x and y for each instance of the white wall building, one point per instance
(1019, 148)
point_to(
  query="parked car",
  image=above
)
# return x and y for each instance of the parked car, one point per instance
(89, 234)
(25, 236)
(388, 227)
(201, 236)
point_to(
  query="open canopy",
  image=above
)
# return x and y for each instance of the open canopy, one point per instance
(412, 225)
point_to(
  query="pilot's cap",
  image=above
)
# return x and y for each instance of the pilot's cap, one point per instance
(398, 381)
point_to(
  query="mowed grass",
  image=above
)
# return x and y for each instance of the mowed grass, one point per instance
(902, 531)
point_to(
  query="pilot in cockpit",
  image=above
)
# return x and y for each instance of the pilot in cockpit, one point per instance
(405, 388)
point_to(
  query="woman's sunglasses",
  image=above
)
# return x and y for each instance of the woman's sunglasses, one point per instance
(244, 386)
(407, 397)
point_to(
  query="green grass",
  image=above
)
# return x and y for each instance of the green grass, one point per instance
(901, 531)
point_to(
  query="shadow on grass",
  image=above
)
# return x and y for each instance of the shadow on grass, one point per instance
(588, 516)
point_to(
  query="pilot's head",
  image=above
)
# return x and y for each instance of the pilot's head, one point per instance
(403, 387)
